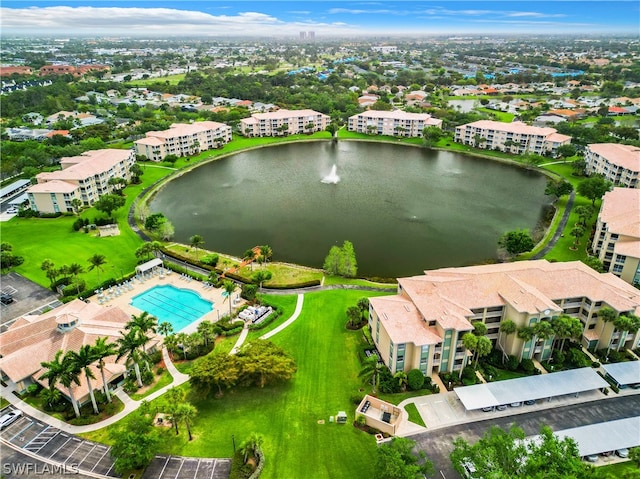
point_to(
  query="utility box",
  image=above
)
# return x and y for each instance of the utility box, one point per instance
(341, 417)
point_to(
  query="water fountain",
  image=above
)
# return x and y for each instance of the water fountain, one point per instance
(332, 177)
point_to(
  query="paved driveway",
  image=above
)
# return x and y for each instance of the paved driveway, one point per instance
(75, 454)
(438, 444)
(50, 443)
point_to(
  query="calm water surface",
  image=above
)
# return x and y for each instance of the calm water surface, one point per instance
(405, 209)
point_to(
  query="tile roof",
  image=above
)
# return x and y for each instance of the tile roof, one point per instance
(621, 211)
(31, 340)
(87, 164)
(626, 156)
(514, 127)
(403, 322)
(284, 114)
(186, 129)
(53, 186)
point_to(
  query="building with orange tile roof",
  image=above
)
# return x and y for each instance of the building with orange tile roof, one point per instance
(392, 123)
(284, 122)
(421, 327)
(71, 70)
(84, 177)
(183, 139)
(617, 238)
(618, 163)
(516, 137)
(31, 340)
(18, 70)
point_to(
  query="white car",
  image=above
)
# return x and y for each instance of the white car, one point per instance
(623, 452)
(9, 418)
(12, 210)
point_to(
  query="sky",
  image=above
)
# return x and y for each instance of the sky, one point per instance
(232, 18)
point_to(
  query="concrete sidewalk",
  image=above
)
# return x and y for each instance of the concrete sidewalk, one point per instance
(130, 405)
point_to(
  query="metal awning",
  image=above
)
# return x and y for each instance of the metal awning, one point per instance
(541, 386)
(603, 436)
(624, 373)
(144, 267)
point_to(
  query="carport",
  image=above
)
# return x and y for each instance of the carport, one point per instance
(603, 436)
(542, 386)
(623, 374)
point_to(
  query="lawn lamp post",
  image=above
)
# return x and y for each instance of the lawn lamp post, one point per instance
(233, 439)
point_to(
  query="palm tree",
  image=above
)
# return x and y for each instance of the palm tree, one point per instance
(543, 331)
(96, 261)
(206, 329)
(143, 324)
(371, 370)
(102, 349)
(608, 315)
(507, 327)
(577, 232)
(626, 324)
(82, 360)
(174, 397)
(183, 340)
(261, 276)
(402, 379)
(470, 343)
(145, 251)
(186, 413)
(129, 346)
(251, 445)
(196, 241)
(229, 287)
(249, 255)
(54, 370)
(483, 348)
(63, 371)
(265, 253)
(165, 328)
(525, 333)
(74, 269)
(171, 343)
(50, 396)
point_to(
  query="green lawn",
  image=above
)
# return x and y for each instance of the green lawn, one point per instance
(498, 115)
(287, 415)
(37, 239)
(414, 415)
(161, 381)
(618, 470)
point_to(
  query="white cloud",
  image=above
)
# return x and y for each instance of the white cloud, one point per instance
(149, 21)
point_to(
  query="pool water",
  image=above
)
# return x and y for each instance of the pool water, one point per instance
(179, 307)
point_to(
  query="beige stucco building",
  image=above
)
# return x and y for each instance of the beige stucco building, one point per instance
(84, 177)
(392, 123)
(284, 122)
(620, 164)
(421, 327)
(617, 238)
(516, 137)
(31, 340)
(183, 139)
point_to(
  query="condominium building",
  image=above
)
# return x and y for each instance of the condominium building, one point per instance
(421, 327)
(516, 137)
(284, 122)
(617, 238)
(620, 164)
(84, 177)
(392, 123)
(183, 139)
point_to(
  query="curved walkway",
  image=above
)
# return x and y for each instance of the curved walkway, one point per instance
(289, 321)
(563, 222)
(130, 405)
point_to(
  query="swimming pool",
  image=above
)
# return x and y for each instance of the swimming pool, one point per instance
(179, 307)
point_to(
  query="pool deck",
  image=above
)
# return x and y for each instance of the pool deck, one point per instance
(221, 304)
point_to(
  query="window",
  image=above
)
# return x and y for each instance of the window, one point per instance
(617, 268)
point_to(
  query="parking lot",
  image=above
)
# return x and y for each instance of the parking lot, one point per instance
(164, 467)
(50, 443)
(79, 455)
(28, 297)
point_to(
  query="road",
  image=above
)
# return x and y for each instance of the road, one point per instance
(437, 444)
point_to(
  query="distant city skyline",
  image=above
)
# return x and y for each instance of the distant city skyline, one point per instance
(233, 18)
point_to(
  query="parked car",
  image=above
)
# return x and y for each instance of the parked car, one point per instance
(12, 210)
(516, 404)
(591, 458)
(529, 402)
(502, 407)
(469, 470)
(624, 452)
(9, 418)
(487, 409)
